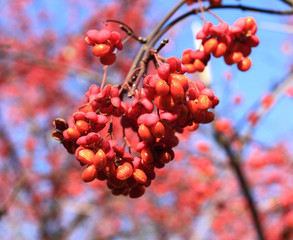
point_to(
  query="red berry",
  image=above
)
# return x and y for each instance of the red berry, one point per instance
(162, 87)
(208, 117)
(199, 66)
(191, 68)
(86, 156)
(118, 191)
(177, 91)
(220, 50)
(158, 130)
(165, 157)
(182, 79)
(89, 174)
(192, 107)
(210, 45)
(139, 176)
(145, 133)
(193, 127)
(108, 59)
(100, 160)
(204, 103)
(147, 156)
(82, 126)
(73, 133)
(185, 59)
(249, 23)
(100, 50)
(124, 171)
(137, 192)
(164, 102)
(244, 64)
(114, 182)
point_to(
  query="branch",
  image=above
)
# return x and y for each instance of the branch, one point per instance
(235, 164)
(288, 2)
(254, 9)
(277, 91)
(195, 11)
(144, 49)
(5, 206)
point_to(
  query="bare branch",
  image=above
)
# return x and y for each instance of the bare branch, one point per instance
(5, 206)
(234, 159)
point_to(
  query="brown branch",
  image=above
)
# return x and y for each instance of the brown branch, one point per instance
(234, 159)
(5, 206)
(207, 8)
(15, 164)
(254, 9)
(144, 50)
(288, 2)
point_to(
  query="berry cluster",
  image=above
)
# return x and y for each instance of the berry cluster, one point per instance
(168, 103)
(233, 43)
(104, 43)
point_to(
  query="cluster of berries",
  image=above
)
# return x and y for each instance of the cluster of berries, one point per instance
(167, 103)
(104, 43)
(233, 43)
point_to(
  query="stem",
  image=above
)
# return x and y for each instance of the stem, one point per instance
(158, 61)
(127, 80)
(201, 10)
(121, 23)
(215, 15)
(143, 64)
(157, 28)
(104, 77)
(126, 142)
(126, 39)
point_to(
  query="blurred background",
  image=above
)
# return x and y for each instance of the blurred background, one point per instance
(45, 69)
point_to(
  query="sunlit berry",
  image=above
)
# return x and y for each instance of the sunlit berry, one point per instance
(89, 174)
(100, 50)
(244, 64)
